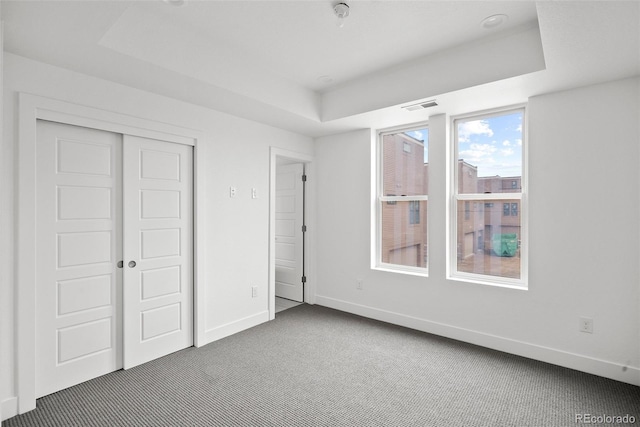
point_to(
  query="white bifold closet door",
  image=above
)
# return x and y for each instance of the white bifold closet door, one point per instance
(113, 252)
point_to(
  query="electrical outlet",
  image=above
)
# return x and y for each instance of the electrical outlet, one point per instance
(254, 291)
(359, 285)
(232, 191)
(586, 325)
(254, 193)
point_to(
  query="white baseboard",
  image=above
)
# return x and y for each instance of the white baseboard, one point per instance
(8, 408)
(603, 368)
(236, 326)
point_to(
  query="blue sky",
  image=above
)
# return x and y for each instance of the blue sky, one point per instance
(493, 144)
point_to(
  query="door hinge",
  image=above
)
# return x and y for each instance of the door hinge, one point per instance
(304, 178)
(304, 228)
(304, 279)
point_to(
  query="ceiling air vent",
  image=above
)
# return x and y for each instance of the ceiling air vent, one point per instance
(421, 106)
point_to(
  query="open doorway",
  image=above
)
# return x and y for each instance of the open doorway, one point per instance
(288, 228)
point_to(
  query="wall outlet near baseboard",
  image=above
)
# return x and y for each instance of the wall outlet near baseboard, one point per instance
(359, 285)
(586, 325)
(254, 292)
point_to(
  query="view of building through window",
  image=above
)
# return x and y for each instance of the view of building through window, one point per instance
(403, 200)
(489, 194)
(487, 213)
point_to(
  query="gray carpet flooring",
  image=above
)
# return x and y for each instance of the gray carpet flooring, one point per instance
(314, 366)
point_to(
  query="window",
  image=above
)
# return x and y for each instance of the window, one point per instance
(414, 212)
(488, 240)
(402, 200)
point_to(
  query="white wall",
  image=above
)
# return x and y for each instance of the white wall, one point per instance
(236, 152)
(513, 54)
(4, 281)
(584, 239)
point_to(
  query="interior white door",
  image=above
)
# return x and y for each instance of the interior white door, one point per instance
(288, 235)
(78, 228)
(158, 260)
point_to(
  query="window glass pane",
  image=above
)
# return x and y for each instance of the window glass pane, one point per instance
(404, 233)
(490, 154)
(403, 224)
(405, 163)
(489, 239)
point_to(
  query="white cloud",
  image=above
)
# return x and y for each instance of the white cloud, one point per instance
(506, 143)
(519, 128)
(478, 153)
(519, 142)
(500, 168)
(507, 152)
(475, 127)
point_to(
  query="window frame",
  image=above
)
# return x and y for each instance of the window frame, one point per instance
(454, 197)
(380, 199)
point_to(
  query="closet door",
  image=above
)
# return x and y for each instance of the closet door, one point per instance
(103, 198)
(78, 230)
(158, 252)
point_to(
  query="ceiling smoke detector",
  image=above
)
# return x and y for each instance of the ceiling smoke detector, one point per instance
(342, 11)
(421, 106)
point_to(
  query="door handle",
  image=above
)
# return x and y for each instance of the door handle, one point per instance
(132, 264)
(120, 264)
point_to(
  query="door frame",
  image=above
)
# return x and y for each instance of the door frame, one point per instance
(30, 109)
(309, 288)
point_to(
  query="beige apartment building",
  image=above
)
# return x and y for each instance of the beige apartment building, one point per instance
(480, 221)
(404, 224)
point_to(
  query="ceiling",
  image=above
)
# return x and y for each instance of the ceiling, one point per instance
(288, 64)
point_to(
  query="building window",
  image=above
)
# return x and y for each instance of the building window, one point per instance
(402, 191)
(414, 212)
(488, 245)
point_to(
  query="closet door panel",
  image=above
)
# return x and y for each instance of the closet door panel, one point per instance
(78, 232)
(158, 248)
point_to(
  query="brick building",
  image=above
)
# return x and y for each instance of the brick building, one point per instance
(479, 221)
(404, 223)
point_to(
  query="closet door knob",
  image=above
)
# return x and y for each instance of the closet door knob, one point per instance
(120, 264)
(132, 264)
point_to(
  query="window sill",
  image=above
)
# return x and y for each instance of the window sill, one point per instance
(520, 285)
(390, 268)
